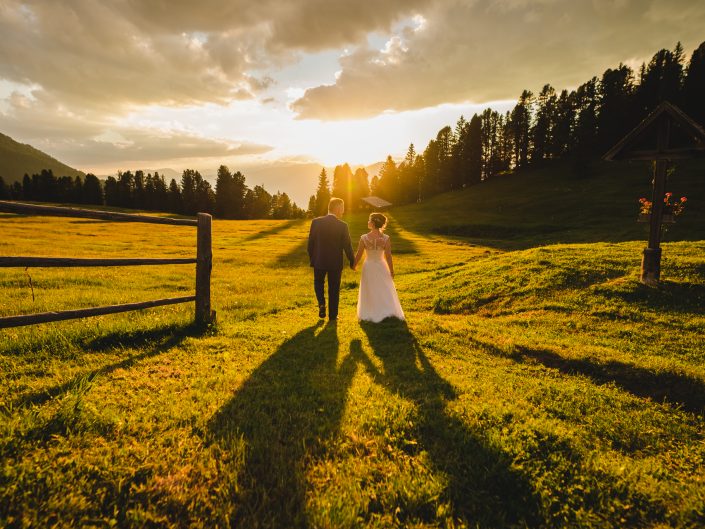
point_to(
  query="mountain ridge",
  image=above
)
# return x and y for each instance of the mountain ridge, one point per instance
(18, 159)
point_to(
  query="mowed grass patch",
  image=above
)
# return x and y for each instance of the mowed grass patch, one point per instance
(542, 387)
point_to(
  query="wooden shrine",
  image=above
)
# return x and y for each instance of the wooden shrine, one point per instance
(666, 134)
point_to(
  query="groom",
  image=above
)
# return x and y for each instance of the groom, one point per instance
(328, 239)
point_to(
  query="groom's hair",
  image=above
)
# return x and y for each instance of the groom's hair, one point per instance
(335, 203)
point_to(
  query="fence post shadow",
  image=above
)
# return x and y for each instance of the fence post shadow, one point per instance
(483, 488)
(156, 341)
(284, 414)
(274, 230)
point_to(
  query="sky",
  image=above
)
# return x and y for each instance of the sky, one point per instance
(279, 88)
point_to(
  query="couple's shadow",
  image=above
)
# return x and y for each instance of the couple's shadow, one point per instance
(285, 412)
(293, 403)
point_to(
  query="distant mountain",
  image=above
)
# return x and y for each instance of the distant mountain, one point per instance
(16, 159)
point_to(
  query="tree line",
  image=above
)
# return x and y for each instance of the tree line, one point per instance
(231, 199)
(349, 186)
(576, 125)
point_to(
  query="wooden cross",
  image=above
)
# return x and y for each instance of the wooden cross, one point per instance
(665, 134)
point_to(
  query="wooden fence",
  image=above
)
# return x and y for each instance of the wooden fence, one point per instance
(203, 261)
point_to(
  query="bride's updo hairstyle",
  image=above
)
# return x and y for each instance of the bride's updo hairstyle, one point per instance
(378, 220)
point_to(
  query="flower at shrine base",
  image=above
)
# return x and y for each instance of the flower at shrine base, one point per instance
(645, 206)
(674, 207)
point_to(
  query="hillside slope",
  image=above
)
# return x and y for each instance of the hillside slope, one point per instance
(16, 159)
(553, 205)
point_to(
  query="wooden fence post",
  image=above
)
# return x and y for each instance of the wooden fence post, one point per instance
(204, 263)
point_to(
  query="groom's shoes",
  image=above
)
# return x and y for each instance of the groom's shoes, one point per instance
(322, 311)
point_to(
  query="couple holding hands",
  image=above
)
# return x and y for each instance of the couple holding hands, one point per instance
(328, 239)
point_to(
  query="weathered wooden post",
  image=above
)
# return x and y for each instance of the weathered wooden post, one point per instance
(204, 264)
(666, 134)
(651, 259)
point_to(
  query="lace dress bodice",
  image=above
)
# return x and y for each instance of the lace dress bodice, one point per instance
(375, 246)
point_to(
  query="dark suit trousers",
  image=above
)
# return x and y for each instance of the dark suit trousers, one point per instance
(319, 278)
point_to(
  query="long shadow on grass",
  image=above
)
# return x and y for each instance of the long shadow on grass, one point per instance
(672, 387)
(483, 487)
(668, 296)
(295, 257)
(680, 389)
(282, 226)
(155, 341)
(285, 412)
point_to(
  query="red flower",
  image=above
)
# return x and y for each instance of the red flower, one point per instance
(669, 195)
(683, 199)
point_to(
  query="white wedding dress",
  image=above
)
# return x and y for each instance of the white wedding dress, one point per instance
(377, 298)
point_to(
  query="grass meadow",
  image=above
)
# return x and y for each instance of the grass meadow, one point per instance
(536, 382)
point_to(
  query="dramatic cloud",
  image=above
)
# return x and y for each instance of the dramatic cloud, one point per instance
(137, 52)
(481, 50)
(83, 139)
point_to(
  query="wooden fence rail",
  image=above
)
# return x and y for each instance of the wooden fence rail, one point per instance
(63, 262)
(60, 211)
(203, 261)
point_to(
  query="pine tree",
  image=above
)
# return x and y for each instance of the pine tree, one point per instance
(27, 188)
(445, 141)
(204, 197)
(282, 208)
(361, 187)
(459, 154)
(586, 100)
(174, 197)
(474, 151)
(565, 120)
(521, 126)
(661, 79)
(322, 194)
(544, 125)
(188, 192)
(150, 202)
(374, 185)
(260, 204)
(5, 193)
(139, 199)
(694, 86)
(161, 193)
(617, 115)
(112, 193)
(408, 180)
(429, 184)
(223, 193)
(388, 187)
(92, 190)
(343, 185)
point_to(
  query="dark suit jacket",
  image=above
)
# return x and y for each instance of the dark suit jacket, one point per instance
(328, 239)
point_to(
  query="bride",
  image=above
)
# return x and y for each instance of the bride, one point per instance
(378, 298)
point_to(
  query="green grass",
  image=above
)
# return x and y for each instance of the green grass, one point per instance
(537, 383)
